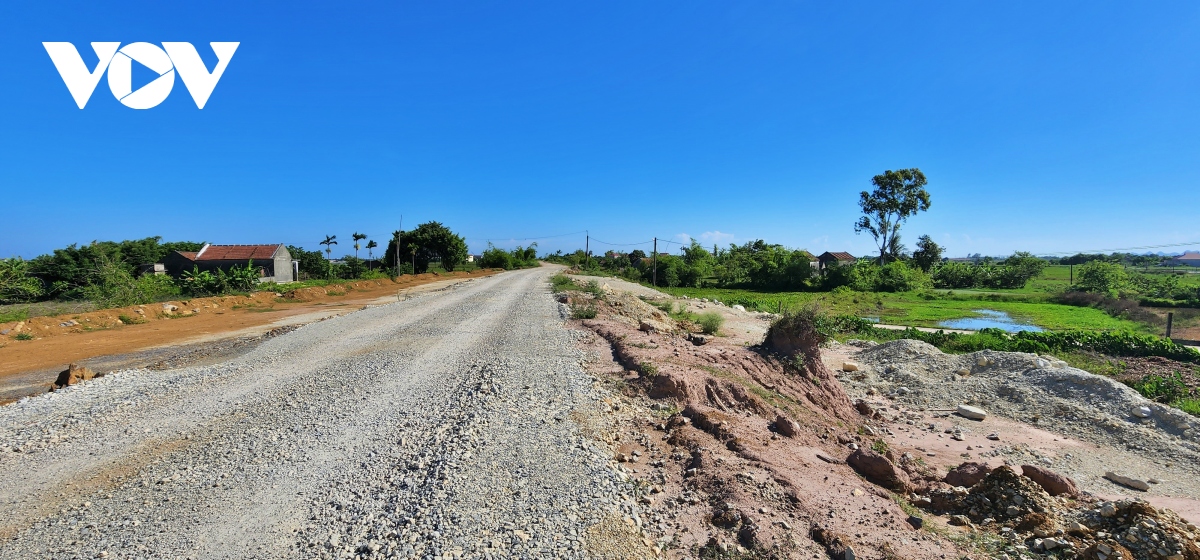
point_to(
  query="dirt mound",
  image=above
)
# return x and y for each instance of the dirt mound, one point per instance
(742, 449)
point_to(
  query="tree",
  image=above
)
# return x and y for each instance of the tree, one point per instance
(357, 237)
(1102, 277)
(927, 254)
(330, 241)
(430, 241)
(898, 195)
(371, 245)
(897, 251)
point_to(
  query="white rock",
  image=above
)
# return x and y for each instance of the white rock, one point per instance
(971, 412)
(1127, 481)
(1142, 411)
(739, 308)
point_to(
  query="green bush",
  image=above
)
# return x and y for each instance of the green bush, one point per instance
(111, 285)
(710, 322)
(1101, 277)
(24, 336)
(16, 285)
(582, 312)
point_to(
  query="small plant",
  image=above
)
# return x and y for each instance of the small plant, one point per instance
(648, 369)
(594, 288)
(562, 283)
(1161, 389)
(24, 336)
(710, 322)
(879, 446)
(581, 312)
(130, 320)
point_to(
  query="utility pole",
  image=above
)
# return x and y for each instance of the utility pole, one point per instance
(587, 252)
(1072, 275)
(398, 245)
(654, 277)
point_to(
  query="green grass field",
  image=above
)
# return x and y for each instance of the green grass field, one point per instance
(911, 309)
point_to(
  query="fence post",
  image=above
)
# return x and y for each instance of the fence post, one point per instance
(1170, 319)
(654, 260)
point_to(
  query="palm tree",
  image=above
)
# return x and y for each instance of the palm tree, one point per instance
(357, 237)
(330, 241)
(370, 256)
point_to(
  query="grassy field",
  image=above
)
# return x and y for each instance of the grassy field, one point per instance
(919, 310)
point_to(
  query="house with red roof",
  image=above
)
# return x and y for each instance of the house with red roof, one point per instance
(829, 258)
(273, 261)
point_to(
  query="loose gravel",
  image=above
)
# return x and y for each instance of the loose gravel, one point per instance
(437, 427)
(1032, 389)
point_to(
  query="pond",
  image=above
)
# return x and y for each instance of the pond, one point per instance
(989, 319)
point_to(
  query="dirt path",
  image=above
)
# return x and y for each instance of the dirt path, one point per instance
(29, 367)
(440, 426)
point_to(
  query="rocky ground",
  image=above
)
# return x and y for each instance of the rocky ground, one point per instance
(743, 453)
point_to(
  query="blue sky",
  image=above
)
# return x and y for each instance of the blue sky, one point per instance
(1047, 127)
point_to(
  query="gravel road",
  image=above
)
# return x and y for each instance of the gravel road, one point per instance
(441, 426)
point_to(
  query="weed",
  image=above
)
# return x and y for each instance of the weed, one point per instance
(594, 288)
(1160, 389)
(879, 446)
(335, 293)
(710, 322)
(1190, 406)
(13, 315)
(648, 369)
(130, 320)
(582, 312)
(562, 283)
(24, 336)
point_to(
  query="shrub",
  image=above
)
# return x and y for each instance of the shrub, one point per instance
(1101, 277)
(562, 283)
(582, 312)
(16, 285)
(710, 322)
(24, 336)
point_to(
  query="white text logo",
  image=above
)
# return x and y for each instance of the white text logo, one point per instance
(118, 60)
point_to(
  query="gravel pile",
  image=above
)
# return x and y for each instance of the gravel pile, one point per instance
(440, 426)
(1028, 388)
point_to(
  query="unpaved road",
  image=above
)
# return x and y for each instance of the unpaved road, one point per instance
(442, 426)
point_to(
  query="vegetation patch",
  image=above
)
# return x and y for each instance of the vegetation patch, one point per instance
(24, 336)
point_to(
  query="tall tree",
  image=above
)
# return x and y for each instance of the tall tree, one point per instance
(357, 237)
(927, 254)
(330, 241)
(898, 195)
(431, 241)
(370, 255)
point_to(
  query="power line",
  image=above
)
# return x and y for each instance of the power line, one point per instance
(1144, 247)
(621, 244)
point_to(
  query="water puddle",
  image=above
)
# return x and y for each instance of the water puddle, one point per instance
(989, 319)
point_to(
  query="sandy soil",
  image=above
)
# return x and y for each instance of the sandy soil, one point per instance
(28, 366)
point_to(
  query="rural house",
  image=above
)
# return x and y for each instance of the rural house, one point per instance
(1190, 258)
(273, 261)
(842, 259)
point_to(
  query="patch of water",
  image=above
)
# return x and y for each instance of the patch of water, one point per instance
(989, 319)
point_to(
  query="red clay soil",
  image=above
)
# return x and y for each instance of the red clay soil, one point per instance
(63, 339)
(723, 476)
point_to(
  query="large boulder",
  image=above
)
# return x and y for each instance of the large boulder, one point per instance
(879, 470)
(1050, 481)
(967, 474)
